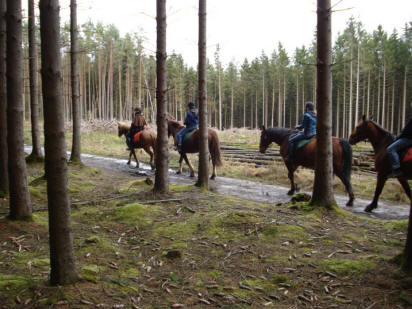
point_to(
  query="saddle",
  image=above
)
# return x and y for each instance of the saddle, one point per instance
(136, 137)
(303, 142)
(188, 134)
(406, 154)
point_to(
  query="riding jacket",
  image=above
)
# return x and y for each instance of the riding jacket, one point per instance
(308, 124)
(138, 123)
(406, 131)
(192, 119)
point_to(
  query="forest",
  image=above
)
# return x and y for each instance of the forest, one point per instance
(88, 229)
(371, 75)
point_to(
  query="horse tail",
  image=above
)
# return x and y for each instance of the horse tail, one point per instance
(214, 149)
(347, 158)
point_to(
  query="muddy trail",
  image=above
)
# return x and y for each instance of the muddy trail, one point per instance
(250, 190)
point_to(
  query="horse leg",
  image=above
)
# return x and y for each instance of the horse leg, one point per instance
(179, 171)
(378, 190)
(214, 172)
(150, 153)
(348, 186)
(405, 186)
(192, 171)
(130, 157)
(291, 171)
(135, 157)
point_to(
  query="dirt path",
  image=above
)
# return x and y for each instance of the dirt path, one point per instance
(255, 191)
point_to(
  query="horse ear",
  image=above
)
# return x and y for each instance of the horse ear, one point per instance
(263, 128)
(371, 117)
(364, 117)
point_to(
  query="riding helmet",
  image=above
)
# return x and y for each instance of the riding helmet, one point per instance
(138, 110)
(191, 105)
(310, 106)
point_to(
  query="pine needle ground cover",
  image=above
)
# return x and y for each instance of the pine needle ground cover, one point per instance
(194, 249)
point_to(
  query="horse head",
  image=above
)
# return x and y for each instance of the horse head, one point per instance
(173, 127)
(265, 140)
(361, 131)
(122, 128)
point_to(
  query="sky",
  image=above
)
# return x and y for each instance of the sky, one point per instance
(241, 28)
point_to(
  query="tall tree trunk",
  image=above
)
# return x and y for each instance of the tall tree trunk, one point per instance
(404, 98)
(34, 106)
(337, 114)
(273, 105)
(20, 206)
(220, 97)
(323, 184)
(4, 175)
(279, 105)
(63, 269)
(383, 94)
(231, 105)
(162, 166)
(393, 103)
(297, 99)
(256, 111)
(357, 86)
(76, 145)
(202, 180)
(244, 107)
(120, 91)
(350, 112)
(368, 95)
(344, 103)
(407, 265)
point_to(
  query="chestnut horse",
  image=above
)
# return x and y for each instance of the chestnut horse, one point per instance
(191, 145)
(147, 139)
(305, 156)
(380, 139)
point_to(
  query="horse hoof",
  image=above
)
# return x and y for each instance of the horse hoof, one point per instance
(128, 163)
(178, 172)
(349, 203)
(213, 177)
(369, 208)
(291, 192)
(192, 175)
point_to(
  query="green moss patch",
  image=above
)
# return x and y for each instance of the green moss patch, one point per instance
(348, 267)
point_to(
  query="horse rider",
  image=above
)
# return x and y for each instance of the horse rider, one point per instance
(138, 124)
(402, 141)
(191, 122)
(309, 130)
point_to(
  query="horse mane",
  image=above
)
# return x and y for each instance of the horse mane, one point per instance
(390, 137)
(280, 132)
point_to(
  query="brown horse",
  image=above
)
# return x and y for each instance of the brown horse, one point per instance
(305, 156)
(147, 140)
(191, 145)
(380, 139)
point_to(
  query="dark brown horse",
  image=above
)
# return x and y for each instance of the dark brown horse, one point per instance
(380, 139)
(191, 145)
(305, 156)
(147, 140)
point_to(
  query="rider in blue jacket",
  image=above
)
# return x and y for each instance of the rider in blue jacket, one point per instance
(309, 129)
(191, 122)
(403, 141)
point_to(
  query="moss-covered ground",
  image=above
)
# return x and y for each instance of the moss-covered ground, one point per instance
(194, 249)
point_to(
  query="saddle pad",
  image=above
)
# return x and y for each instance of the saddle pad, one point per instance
(136, 137)
(408, 155)
(188, 134)
(304, 142)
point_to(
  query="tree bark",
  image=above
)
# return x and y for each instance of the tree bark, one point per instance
(202, 84)
(407, 265)
(76, 145)
(162, 165)
(323, 184)
(36, 153)
(350, 112)
(4, 175)
(20, 206)
(63, 269)
(357, 87)
(404, 98)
